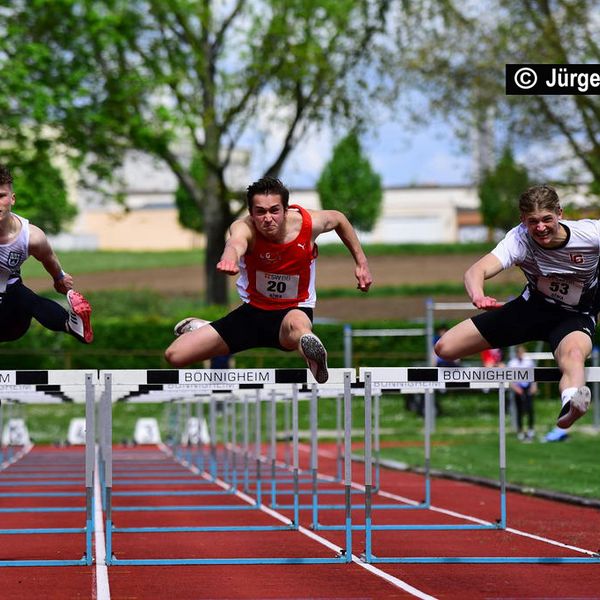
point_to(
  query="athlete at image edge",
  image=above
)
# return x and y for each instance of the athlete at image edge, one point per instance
(20, 239)
(272, 222)
(559, 304)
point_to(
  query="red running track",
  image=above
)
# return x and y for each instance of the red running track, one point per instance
(527, 516)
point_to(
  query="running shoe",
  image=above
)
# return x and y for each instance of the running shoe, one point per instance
(189, 324)
(316, 356)
(556, 435)
(575, 408)
(79, 317)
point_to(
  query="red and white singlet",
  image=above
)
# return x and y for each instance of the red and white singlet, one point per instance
(277, 276)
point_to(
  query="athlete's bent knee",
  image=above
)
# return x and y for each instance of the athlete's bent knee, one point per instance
(573, 354)
(439, 349)
(443, 351)
(174, 358)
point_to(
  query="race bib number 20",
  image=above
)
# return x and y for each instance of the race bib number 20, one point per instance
(275, 285)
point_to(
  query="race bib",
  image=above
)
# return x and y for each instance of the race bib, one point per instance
(275, 285)
(567, 292)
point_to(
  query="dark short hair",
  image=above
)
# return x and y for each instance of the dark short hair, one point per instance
(5, 176)
(539, 197)
(268, 186)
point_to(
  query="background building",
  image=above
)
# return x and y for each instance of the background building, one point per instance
(149, 218)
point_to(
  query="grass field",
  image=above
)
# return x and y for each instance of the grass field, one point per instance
(101, 260)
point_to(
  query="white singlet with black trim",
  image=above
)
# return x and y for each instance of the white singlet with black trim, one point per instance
(566, 275)
(13, 255)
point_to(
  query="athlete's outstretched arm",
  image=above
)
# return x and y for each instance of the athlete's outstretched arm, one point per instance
(330, 220)
(235, 247)
(483, 269)
(40, 248)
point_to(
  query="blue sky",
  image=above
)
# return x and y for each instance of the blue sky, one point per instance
(425, 155)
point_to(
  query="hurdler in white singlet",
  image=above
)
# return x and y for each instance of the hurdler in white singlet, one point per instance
(13, 255)
(567, 275)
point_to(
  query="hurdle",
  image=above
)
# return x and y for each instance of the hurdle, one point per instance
(153, 470)
(457, 377)
(314, 395)
(51, 386)
(179, 383)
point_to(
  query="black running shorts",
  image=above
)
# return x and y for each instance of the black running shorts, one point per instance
(520, 321)
(18, 304)
(250, 327)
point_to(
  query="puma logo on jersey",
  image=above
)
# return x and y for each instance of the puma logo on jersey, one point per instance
(303, 246)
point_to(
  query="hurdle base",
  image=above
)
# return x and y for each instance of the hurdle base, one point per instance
(341, 558)
(46, 563)
(454, 560)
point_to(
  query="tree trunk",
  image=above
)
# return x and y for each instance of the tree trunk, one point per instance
(215, 227)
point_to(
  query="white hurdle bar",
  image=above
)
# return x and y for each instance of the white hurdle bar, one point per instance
(429, 378)
(77, 385)
(121, 384)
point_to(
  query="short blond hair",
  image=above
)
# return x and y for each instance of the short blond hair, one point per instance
(539, 197)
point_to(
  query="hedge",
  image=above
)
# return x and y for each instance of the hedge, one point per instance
(139, 343)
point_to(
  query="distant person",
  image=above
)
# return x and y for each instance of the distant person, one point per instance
(20, 239)
(523, 393)
(559, 304)
(273, 251)
(491, 357)
(220, 362)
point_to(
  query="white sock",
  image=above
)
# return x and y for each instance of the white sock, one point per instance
(567, 394)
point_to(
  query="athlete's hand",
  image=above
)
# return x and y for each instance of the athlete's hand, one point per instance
(364, 278)
(64, 284)
(486, 303)
(229, 267)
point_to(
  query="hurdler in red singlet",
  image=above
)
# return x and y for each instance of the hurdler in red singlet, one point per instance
(276, 276)
(276, 282)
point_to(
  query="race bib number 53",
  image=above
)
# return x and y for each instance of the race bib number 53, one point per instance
(275, 285)
(568, 292)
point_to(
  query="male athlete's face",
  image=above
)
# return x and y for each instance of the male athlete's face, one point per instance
(268, 215)
(7, 199)
(543, 227)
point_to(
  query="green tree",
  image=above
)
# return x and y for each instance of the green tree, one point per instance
(458, 62)
(349, 184)
(40, 191)
(107, 76)
(189, 215)
(499, 191)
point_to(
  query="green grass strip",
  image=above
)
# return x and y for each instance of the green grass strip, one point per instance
(94, 261)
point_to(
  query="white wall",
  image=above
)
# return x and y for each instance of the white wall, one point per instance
(410, 214)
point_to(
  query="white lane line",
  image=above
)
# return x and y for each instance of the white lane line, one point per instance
(451, 513)
(399, 583)
(101, 571)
